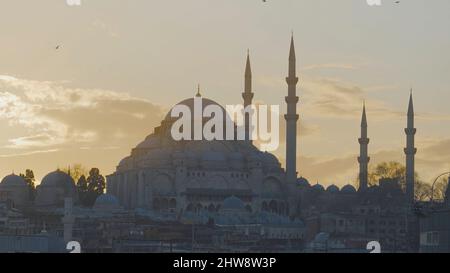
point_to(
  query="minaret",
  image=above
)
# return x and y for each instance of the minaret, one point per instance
(291, 118)
(247, 95)
(410, 152)
(68, 219)
(363, 158)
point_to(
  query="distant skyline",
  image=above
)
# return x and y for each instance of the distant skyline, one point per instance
(122, 65)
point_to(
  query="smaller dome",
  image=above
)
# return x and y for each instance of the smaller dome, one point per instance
(333, 189)
(318, 187)
(303, 182)
(348, 189)
(233, 203)
(13, 181)
(58, 179)
(106, 201)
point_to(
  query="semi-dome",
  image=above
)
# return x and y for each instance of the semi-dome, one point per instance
(152, 141)
(13, 181)
(333, 189)
(255, 159)
(233, 203)
(348, 189)
(270, 161)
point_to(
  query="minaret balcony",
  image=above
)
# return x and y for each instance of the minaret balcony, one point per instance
(410, 151)
(289, 117)
(410, 131)
(290, 99)
(364, 141)
(248, 96)
(363, 160)
(292, 80)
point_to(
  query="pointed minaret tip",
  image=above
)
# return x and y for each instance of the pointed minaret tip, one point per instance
(364, 116)
(198, 91)
(411, 104)
(248, 68)
(292, 49)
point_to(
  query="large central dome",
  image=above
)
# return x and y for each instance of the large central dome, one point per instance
(160, 150)
(190, 103)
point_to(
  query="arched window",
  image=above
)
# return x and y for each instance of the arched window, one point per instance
(173, 203)
(273, 206)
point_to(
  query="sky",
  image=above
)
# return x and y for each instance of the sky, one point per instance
(122, 65)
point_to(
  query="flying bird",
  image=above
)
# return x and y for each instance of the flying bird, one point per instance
(57, 47)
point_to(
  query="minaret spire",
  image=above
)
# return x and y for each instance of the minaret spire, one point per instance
(248, 96)
(292, 59)
(410, 151)
(291, 117)
(363, 158)
(198, 91)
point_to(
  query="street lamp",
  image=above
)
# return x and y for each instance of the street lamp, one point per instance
(432, 186)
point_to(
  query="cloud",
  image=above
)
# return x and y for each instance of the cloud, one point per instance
(432, 159)
(56, 116)
(331, 66)
(334, 98)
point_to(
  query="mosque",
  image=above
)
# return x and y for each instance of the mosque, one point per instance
(164, 175)
(231, 181)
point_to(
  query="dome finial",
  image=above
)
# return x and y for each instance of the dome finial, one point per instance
(198, 91)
